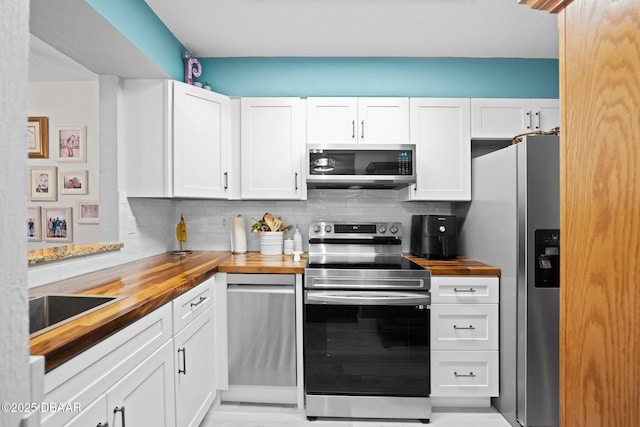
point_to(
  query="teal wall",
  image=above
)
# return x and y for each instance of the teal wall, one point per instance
(333, 76)
(137, 22)
(432, 77)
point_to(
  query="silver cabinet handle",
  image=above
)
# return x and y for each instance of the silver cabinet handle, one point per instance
(529, 114)
(121, 410)
(103, 425)
(470, 290)
(296, 180)
(353, 129)
(463, 327)
(362, 129)
(470, 374)
(538, 117)
(200, 301)
(226, 180)
(183, 350)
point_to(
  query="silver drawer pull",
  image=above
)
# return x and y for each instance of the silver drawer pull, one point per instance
(463, 327)
(470, 290)
(470, 374)
(200, 301)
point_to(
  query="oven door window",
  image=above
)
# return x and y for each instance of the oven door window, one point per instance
(366, 350)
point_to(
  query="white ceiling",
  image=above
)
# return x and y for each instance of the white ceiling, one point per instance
(378, 28)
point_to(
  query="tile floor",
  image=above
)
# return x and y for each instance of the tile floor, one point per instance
(245, 415)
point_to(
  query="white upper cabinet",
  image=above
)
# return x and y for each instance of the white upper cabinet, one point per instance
(495, 118)
(335, 120)
(272, 148)
(177, 140)
(440, 131)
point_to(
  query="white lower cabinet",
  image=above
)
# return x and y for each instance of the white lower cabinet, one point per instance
(142, 397)
(193, 349)
(158, 371)
(88, 377)
(464, 339)
(96, 414)
(145, 396)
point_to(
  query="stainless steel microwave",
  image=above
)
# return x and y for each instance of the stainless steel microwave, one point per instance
(367, 166)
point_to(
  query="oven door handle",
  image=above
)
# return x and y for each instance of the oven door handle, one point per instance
(367, 298)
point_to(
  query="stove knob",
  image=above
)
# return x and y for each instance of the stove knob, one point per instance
(442, 229)
(316, 228)
(393, 229)
(382, 229)
(327, 228)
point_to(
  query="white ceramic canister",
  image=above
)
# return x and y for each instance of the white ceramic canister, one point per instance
(288, 246)
(271, 242)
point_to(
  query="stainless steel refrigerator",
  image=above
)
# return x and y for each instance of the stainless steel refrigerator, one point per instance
(512, 222)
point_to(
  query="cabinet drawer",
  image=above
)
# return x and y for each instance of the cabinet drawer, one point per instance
(465, 290)
(464, 373)
(190, 304)
(464, 327)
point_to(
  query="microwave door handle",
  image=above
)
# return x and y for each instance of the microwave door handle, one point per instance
(367, 298)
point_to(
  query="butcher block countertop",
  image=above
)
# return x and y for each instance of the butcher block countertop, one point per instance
(253, 262)
(459, 266)
(145, 285)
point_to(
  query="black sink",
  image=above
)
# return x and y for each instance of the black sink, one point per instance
(49, 311)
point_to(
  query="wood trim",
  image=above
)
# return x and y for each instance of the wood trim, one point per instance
(551, 6)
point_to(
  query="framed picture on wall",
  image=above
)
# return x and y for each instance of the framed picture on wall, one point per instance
(72, 144)
(43, 183)
(34, 223)
(57, 224)
(87, 212)
(38, 132)
(73, 182)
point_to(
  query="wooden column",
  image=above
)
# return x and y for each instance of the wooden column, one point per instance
(600, 213)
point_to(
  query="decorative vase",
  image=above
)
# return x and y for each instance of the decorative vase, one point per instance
(271, 242)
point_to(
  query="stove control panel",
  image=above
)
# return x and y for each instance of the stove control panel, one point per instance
(355, 230)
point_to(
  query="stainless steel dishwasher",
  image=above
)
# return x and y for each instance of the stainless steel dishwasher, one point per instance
(262, 338)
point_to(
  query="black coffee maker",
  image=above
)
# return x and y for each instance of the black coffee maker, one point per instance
(434, 236)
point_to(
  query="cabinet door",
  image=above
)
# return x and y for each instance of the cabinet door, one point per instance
(494, 118)
(272, 147)
(145, 396)
(94, 415)
(332, 120)
(383, 120)
(194, 370)
(201, 143)
(546, 113)
(147, 137)
(440, 131)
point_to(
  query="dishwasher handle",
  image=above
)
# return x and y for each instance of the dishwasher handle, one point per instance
(261, 289)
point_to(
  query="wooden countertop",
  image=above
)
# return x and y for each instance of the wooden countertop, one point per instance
(144, 285)
(253, 262)
(459, 266)
(147, 284)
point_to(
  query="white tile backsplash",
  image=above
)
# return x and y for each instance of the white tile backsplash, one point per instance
(147, 226)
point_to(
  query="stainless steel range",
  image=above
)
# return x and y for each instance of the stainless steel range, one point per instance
(366, 324)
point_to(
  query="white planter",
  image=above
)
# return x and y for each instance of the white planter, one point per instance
(271, 242)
